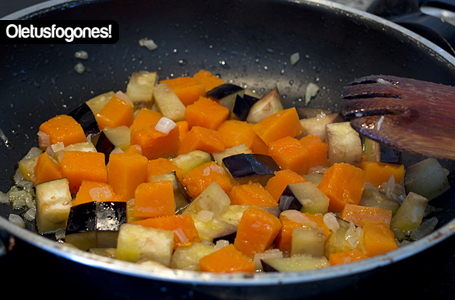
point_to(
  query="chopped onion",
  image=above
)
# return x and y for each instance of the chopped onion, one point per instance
(204, 215)
(43, 139)
(117, 150)
(30, 214)
(81, 54)
(57, 147)
(4, 198)
(298, 217)
(16, 220)
(351, 236)
(331, 221)
(424, 229)
(295, 58)
(79, 68)
(221, 243)
(149, 44)
(34, 151)
(100, 194)
(165, 125)
(381, 119)
(206, 171)
(312, 90)
(181, 235)
(217, 168)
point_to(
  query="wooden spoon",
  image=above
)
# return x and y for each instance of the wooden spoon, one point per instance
(405, 114)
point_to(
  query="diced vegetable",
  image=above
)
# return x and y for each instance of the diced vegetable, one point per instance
(78, 166)
(84, 115)
(266, 106)
(136, 242)
(250, 167)
(289, 153)
(206, 113)
(226, 94)
(305, 197)
(226, 260)
(235, 132)
(281, 124)
(345, 238)
(190, 160)
(239, 149)
(46, 169)
(409, 216)
(342, 183)
(62, 128)
(378, 238)
(251, 194)
(201, 138)
(140, 87)
(307, 240)
(213, 199)
(357, 213)
(91, 191)
(118, 136)
(344, 144)
(317, 151)
(198, 179)
(372, 197)
(276, 184)
(188, 256)
(427, 178)
(346, 257)
(256, 232)
(154, 199)
(161, 166)
(169, 105)
(96, 103)
(53, 204)
(125, 172)
(181, 197)
(118, 111)
(294, 264)
(377, 173)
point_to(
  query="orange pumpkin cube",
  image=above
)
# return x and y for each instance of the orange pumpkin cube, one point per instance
(276, 185)
(281, 124)
(201, 138)
(198, 179)
(63, 128)
(317, 151)
(251, 194)
(154, 199)
(90, 191)
(377, 237)
(289, 153)
(357, 213)
(207, 113)
(46, 169)
(378, 172)
(118, 111)
(226, 260)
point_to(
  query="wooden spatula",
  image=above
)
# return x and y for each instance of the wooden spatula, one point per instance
(405, 114)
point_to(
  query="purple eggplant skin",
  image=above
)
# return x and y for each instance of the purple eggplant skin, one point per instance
(241, 108)
(110, 216)
(250, 99)
(104, 145)
(82, 218)
(389, 155)
(84, 116)
(289, 201)
(224, 90)
(255, 167)
(268, 268)
(228, 236)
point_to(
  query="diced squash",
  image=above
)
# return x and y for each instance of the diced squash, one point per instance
(357, 213)
(78, 166)
(145, 118)
(97, 102)
(339, 258)
(210, 81)
(198, 179)
(161, 166)
(169, 105)
(342, 183)
(181, 197)
(317, 151)
(125, 172)
(276, 185)
(201, 138)
(90, 191)
(280, 124)
(46, 169)
(183, 128)
(256, 232)
(53, 204)
(136, 242)
(207, 113)
(154, 199)
(62, 128)
(377, 237)
(289, 153)
(377, 172)
(136, 149)
(251, 194)
(226, 260)
(183, 226)
(235, 132)
(187, 89)
(118, 111)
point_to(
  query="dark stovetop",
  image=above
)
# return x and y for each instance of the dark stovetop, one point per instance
(427, 275)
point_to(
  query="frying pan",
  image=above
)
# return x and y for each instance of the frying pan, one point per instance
(245, 42)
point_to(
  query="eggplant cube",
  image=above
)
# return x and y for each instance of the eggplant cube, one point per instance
(109, 217)
(227, 94)
(53, 204)
(344, 144)
(307, 240)
(168, 103)
(241, 108)
(247, 167)
(305, 197)
(189, 256)
(213, 199)
(136, 242)
(140, 87)
(295, 263)
(84, 116)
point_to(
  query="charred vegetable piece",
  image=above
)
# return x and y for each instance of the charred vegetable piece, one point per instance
(305, 197)
(95, 224)
(53, 204)
(84, 116)
(294, 264)
(251, 167)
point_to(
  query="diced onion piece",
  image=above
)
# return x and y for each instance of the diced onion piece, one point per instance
(149, 44)
(312, 90)
(100, 194)
(204, 215)
(331, 221)
(221, 243)
(79, 68)
(424, 229)
(30, 214)
(4, 198)
(182, 236)
(43, 139)
(295, 58)
(298, 217)
(165, 125)
(57, 147)
(81, 54)
(117, 150)
(17, 220)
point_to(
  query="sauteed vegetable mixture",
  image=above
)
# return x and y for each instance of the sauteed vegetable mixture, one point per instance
(195, 173)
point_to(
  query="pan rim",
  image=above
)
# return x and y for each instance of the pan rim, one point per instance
(195, 278)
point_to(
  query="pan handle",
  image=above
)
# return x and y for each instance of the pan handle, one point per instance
(434, 20)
